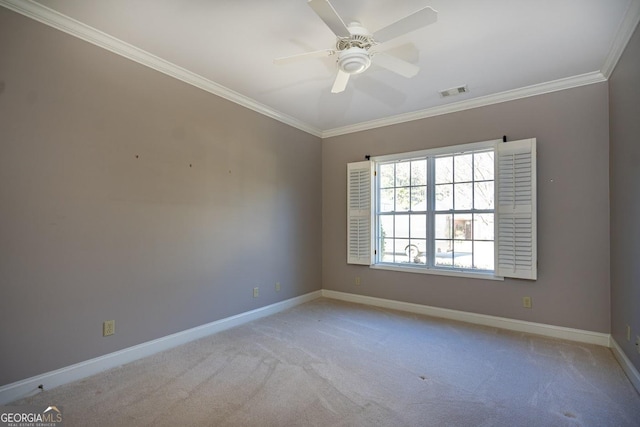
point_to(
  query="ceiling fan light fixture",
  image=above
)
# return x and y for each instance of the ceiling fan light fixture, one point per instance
(354, 60)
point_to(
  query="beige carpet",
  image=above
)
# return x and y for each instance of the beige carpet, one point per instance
(329, 363)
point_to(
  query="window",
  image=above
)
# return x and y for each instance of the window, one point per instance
(452, 196)
(460, 210)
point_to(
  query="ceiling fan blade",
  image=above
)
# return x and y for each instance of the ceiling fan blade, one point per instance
(340, 83)
(303, 56)
(397, 65)
(416, 20)
(328, 14)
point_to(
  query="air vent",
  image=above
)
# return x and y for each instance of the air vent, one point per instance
(454, 91)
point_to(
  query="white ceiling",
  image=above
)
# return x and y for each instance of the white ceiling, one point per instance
(499, 48)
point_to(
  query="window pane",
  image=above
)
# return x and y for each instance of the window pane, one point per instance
(418, 226)
(483, 226)
(387, 250)
(402, 226)
(418, 198)
(463, 167)
(387, 175)
(386, 226)
(444, 225)
(444, 170)
(444, 197)
(444, 252)
(402, 249)
(462, 253)
(483, 166)
(464, 196)
(417, 251)
(402, 199)
(483, 195)
(402, 174)
(387, 200)
(462, 227)
(419, 172)
(483, 255)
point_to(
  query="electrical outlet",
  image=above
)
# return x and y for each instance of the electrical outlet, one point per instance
(277, 286)
(108, 328)
(255, 292)
(628, 333)
(526, 302)
(357, 280)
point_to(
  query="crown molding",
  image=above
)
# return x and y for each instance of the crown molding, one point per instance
(89, 34)
(624, 34)
(482, 101)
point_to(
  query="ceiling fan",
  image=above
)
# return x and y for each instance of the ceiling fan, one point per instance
(356, 46)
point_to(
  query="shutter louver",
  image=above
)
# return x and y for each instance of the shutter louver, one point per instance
(359, 181)
(516, 194)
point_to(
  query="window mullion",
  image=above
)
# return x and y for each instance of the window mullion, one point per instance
(410, 206)
(376, 207)
(431, 204)
(473, 205)
(395, 209)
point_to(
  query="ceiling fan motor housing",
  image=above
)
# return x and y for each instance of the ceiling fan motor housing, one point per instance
(354, 60)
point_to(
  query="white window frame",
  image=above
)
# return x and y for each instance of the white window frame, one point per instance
(515, 242)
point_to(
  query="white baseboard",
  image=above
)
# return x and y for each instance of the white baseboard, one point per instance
(49, 380)
(577, 335)
(627, 366)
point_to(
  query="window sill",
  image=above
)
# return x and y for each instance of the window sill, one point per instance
(437, 271)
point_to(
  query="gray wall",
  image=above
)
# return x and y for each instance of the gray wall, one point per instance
(624, 109)
(102, 217)
(572, 290)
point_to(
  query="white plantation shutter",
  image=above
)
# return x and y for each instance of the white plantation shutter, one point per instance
(516, 246)
(359, 196)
